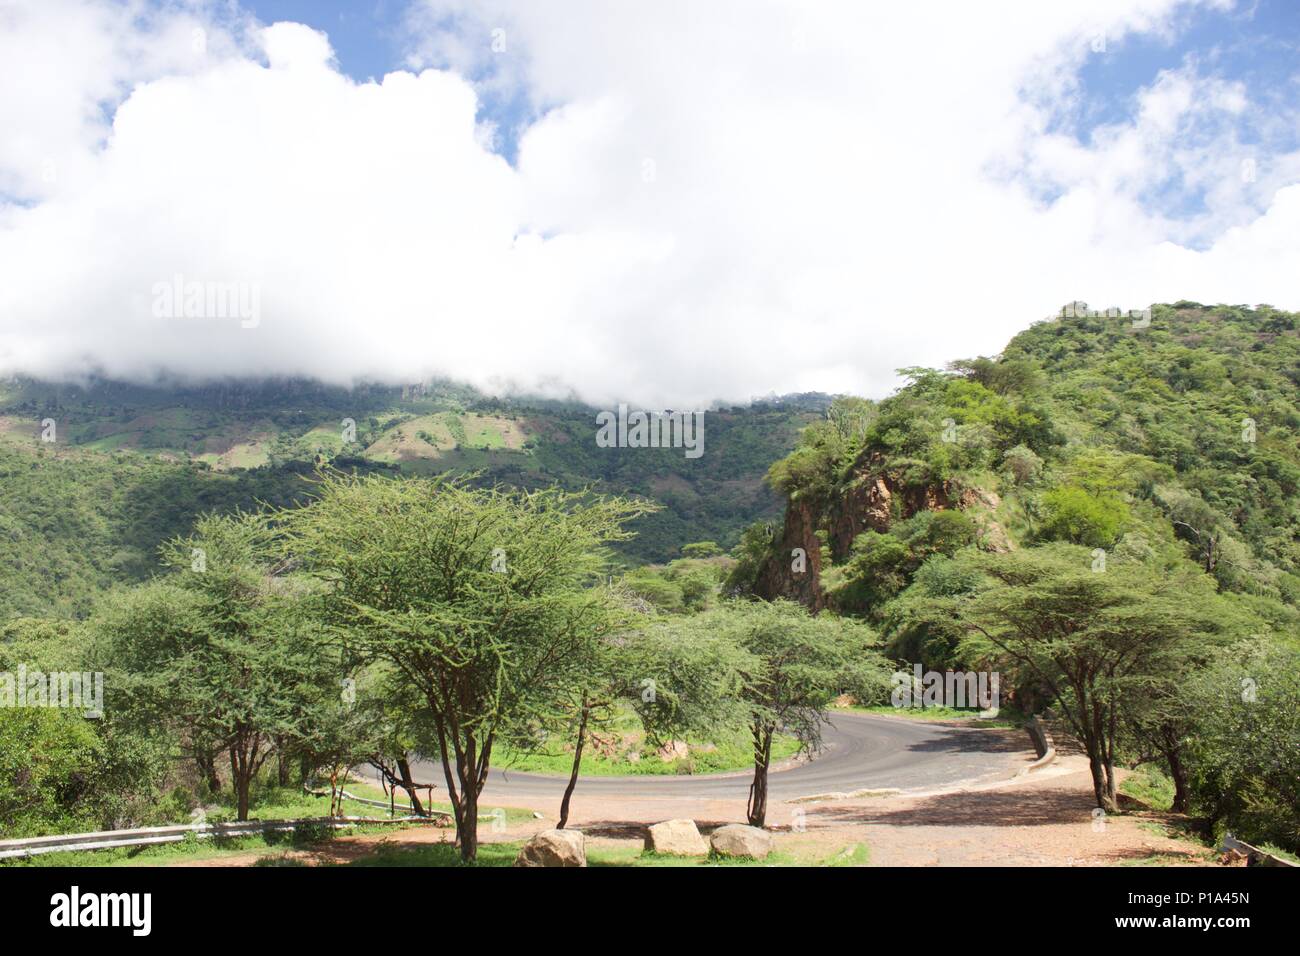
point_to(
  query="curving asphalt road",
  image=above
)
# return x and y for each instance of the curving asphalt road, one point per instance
(858, 751)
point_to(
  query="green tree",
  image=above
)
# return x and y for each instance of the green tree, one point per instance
(483, 600)
(1073, 514)
(1243, 741)
(219, 649)
(1101, 641)
(701, 549)
(795, 665)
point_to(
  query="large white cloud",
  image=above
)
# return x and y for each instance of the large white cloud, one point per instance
(716, 201)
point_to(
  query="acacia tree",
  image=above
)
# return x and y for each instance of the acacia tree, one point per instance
(401, 731)
(481, 599)
(678, 678)
(219, 648)
(1104, 643)
(794, 665)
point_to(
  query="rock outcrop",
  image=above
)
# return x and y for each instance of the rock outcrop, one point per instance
(872, 500)
(794, 569)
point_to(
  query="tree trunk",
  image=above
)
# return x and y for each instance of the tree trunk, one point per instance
(577, 761)
(467, 825)
(1112, 733)
(208, 769)
(471, 774)
(408, 784)
(757, 809)
(1173, 753)
(1093, 727)
(281, 763)
(240, 779)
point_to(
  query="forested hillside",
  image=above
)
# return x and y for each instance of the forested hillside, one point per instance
(1107, 514)
(1181, 438)
(1104, 517)
(129, 467)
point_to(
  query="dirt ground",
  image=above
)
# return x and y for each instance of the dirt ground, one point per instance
(1044, 818)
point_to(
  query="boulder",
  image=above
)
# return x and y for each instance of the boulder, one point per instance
(674, 750)
(736, 839)
(554, 848)
(676, 838)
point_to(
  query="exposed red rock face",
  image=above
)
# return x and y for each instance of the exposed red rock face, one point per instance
(871, 502)
(778, 577)
(874, 499)
(866, 507)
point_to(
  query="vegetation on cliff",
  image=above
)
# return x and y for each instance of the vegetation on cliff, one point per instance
(1106, 513)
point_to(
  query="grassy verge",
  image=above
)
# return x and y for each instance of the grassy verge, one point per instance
(1151, 785)
(1008, 717)
(623, 751)
(270, 803)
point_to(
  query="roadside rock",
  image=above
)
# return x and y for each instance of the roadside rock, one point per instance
(677, 838)
(674, 750)
(736, 839)
(554, 848)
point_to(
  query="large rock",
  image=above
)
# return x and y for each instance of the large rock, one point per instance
(674, 750)
(735, 839)
(676, 838)
(554, 848)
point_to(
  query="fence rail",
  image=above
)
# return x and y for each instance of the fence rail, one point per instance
(151, 836)
(1254, 855)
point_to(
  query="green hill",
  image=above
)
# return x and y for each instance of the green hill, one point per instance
(1182, 435)
(131, 466)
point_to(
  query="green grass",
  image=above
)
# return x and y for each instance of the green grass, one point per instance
(1150, 785)
(425, 855)
(859, 854)
(1278, 851)
(1008, 717)
(189, 850)
(268, 803)
(1157, 858)
(729, 756)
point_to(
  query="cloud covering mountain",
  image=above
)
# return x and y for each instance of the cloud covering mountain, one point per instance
(700, 201)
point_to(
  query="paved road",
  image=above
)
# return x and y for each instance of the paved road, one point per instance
(858, 751)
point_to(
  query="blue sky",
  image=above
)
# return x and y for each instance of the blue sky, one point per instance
(373, 37)
(367, 35)
(1257, 42)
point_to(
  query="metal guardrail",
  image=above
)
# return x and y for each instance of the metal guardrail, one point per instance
(151, 836)
(399, 806)
(1254, 855)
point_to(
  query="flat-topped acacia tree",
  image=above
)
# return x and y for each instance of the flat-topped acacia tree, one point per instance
(1109, 645)
(789, 667)
(220, 650)
(486, 601)
(802, 663)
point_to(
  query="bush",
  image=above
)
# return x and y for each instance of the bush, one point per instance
(1245, 744)
(1072, 514)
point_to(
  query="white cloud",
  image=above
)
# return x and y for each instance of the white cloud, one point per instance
(718, 200)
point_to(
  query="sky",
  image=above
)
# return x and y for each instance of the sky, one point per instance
(665, 203)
